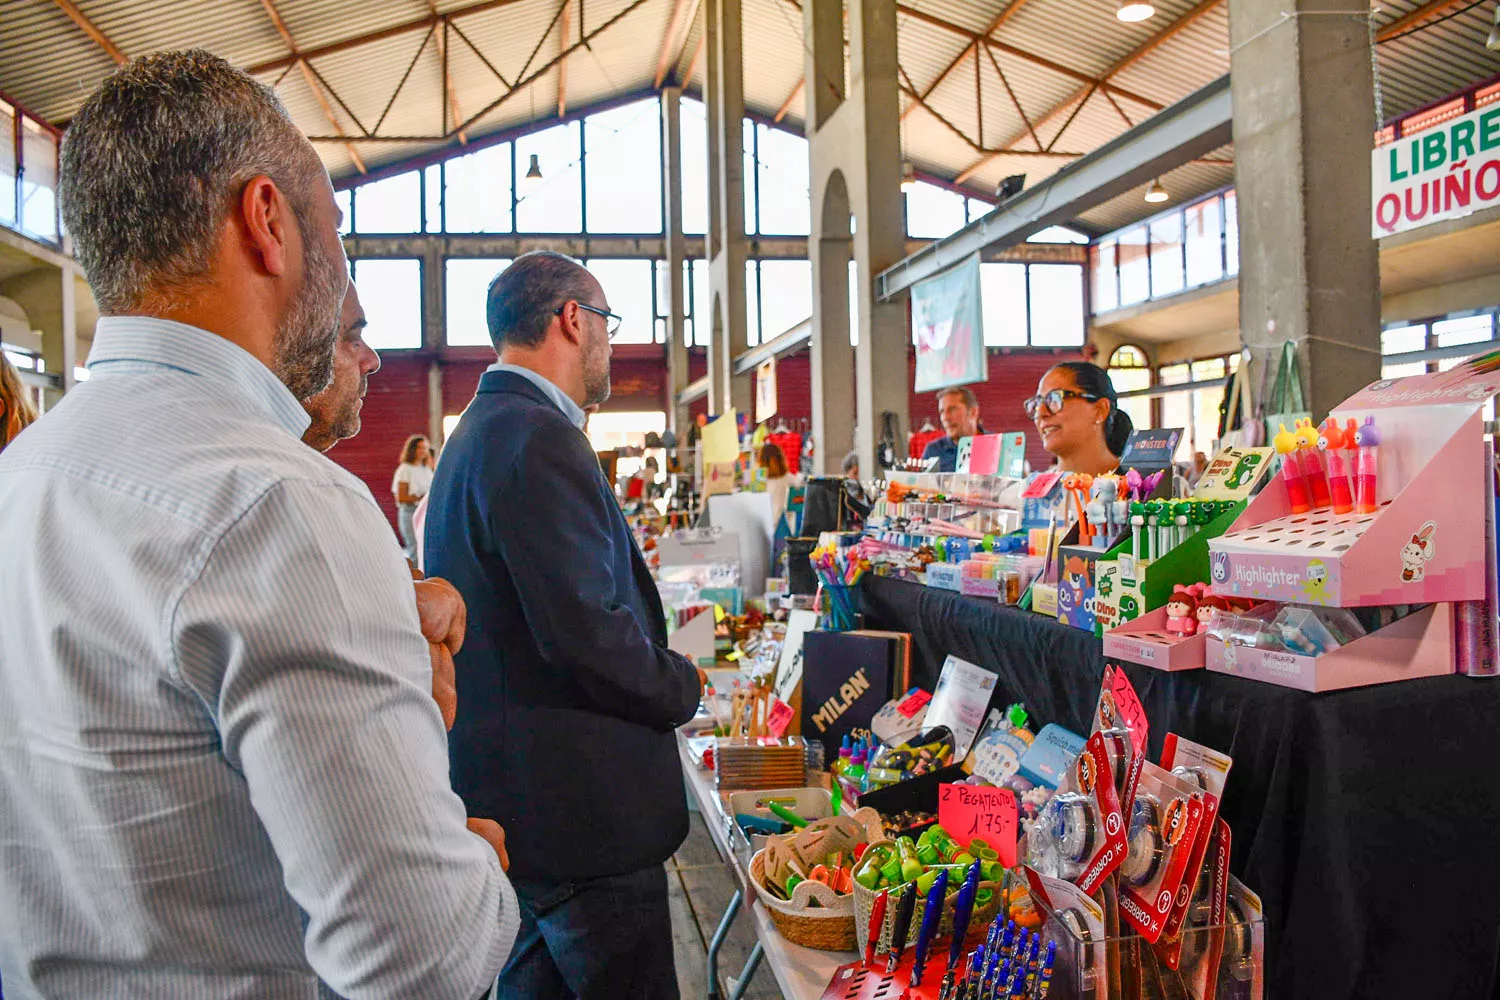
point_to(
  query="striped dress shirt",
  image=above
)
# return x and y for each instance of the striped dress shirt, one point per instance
(222, 773)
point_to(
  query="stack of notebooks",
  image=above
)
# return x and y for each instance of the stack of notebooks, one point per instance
(744, 763)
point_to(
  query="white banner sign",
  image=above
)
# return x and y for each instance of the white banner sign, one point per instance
(1444, 172)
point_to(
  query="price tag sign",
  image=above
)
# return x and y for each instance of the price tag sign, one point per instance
(778, 718)
(1132, 714)
(969, 811)
(1041, 485)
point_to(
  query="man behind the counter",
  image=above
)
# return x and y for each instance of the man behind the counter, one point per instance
(567, 693)
(958, 410)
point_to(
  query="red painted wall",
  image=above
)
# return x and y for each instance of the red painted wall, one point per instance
(396, 405)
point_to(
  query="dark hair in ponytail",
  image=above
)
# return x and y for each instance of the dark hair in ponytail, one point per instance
(1092, 379)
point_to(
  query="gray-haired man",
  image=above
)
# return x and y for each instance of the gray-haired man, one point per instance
(222, 773)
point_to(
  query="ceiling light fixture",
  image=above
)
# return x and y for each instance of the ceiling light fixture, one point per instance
(534, 172)
(1134, 10)
(1155, 194)
(1493, 42)
(908, 177)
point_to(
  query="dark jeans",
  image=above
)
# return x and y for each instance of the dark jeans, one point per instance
(607, 937)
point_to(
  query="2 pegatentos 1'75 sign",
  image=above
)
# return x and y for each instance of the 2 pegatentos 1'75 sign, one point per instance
(1443, 172)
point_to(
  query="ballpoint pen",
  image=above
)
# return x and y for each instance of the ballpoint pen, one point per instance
(1044, 981)
(877, 921)
(976, 974)
(945, 991)
(1331, 441)
(1368, 440)
(1285, 443)
(932, 913)
(1033, 962)
(963, 908)
(902, 927)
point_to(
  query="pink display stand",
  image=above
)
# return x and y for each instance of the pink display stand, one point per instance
(1430, 488)
(1145, 640)
(1419, 645)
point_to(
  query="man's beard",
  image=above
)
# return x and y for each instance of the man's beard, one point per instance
(303, 352)
(596, 378)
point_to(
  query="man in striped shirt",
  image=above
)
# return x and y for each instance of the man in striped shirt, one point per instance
(222, 771)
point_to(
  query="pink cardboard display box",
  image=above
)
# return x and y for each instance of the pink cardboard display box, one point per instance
(1419, 645)
(1423, 544)
(1145, 640)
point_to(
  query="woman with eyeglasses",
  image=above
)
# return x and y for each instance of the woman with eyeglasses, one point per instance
(1077, 414)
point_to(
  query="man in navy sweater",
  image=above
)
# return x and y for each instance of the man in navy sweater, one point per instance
(567, 693)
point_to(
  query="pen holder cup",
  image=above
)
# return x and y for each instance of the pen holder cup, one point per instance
(838, 608)
(864, 902)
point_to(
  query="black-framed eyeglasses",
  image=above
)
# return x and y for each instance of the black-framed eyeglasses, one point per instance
(612, 321)
(1053, 401)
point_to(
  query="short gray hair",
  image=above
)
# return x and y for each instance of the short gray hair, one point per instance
(970, 400)
(155, 160)
(523, 297)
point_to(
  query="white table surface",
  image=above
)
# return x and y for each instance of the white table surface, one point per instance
(802, 973)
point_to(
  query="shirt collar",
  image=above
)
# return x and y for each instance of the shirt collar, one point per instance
(178, 346)
(562, 400)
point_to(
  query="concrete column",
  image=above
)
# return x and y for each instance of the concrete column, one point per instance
(434, 332)
(1303, 130)
(728, 246)
(855, 150)
(676, 257)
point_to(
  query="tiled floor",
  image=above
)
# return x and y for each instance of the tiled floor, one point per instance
(699, 888)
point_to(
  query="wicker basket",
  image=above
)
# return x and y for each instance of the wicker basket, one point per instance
(864, 902)
(815, 916)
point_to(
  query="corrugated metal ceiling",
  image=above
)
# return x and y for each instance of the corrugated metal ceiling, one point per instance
(1048, 51)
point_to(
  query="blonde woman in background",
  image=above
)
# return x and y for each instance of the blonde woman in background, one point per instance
(16, 409)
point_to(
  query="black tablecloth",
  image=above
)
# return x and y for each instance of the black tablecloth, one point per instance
(1368, 820)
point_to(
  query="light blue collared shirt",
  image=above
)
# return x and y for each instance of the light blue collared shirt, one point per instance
(222, 773)
(570, 409)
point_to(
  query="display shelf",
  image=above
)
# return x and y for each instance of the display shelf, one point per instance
(1147, 641)
(1420, 545)
(1419, 645)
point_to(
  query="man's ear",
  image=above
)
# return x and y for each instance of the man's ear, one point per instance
(269, 226)
(570, 321)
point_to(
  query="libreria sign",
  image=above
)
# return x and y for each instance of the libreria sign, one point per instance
(1444, 172)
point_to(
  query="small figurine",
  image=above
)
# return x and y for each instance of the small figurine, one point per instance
(1101, 507)
(1209, 608)
(1182, 612)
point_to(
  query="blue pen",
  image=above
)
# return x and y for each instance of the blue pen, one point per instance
(931, 914)
(963, 908)
(1044, 982)
(1033, 963)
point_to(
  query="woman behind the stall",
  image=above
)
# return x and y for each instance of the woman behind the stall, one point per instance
(1078, 417)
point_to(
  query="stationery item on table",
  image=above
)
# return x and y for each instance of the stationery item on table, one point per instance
(786, 814)
(1079, 484)
(743, 763)
(1367, 438)
(1164, 825)
(902, 928)
(1137, 522)
(1285, 443)
(1312, 463)
(877, 921)
(963, 909)
(1044, 979)
(1182, 612)
(1333, 444)
(932, 913)
(959, 702)
(846, 678)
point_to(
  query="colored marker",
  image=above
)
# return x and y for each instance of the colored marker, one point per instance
(1312, 463)
(1285, 443)
(1331, 441)
(1368, 440)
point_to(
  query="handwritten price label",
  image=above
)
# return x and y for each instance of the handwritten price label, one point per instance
(778, 718)
(1129, 707)
(969, 811)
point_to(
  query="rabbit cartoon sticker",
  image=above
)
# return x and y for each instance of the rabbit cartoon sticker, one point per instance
(1415, 553)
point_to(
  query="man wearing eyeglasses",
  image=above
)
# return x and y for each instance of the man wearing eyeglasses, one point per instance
(567, 693)
(958, 409)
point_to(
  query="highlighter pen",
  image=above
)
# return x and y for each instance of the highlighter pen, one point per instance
(1312, 463)
(1331, 441)
(1285, 443)
(1368, 440)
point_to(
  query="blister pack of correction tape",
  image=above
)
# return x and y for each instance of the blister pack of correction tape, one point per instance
(1208, 769)
(1121, 720)
(1164, 820)
(1080, 834)
(1075, 924)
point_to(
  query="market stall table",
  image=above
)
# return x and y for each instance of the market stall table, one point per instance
(802, 973)
(1364, 817)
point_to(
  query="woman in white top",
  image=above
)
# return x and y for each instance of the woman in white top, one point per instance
(413, 480)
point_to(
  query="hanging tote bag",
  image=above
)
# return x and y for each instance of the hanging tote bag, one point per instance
(1238, 427)
(1285, 405)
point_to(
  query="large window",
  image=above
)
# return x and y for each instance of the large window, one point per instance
(693, 128)
(1196, 244)
(477, 191)
(785, 295)
(781, 185)
(391, 293)
(1003, 293)
(629, 288)
(1166, 255)
(1130, 371)
(552, 203)
(38, 181)
(392, 205)
(623, 169)
(467, 287)
(933, 212)
(1056, 305)
(7, 165)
